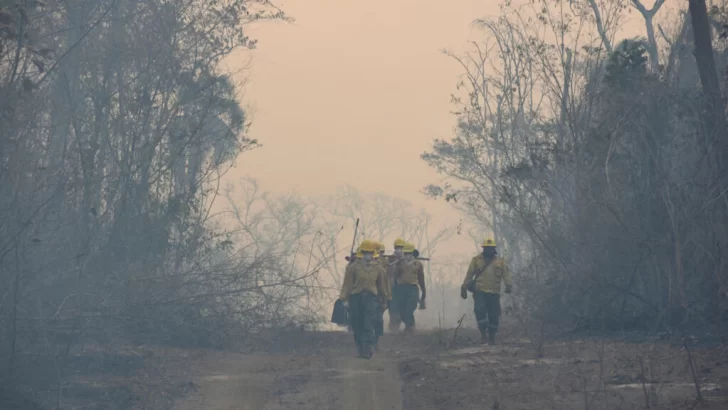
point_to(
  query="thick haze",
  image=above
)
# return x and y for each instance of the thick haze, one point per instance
(602, 158)
(354, 92)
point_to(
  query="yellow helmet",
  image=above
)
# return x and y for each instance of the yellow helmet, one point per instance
(358, 252)
(399, 242)
(381, 247)
(408, 248)
(488, 243)
(380, 250)
(368, 246)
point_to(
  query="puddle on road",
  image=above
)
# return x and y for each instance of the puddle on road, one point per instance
(467, 362)
(470, 350)
(326, 374)
(221, 377)
(703, 387)
(545, 360)
(480, 360)
(495, 350)
(351, 373)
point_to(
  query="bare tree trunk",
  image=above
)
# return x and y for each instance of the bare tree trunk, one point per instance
(677, 45)
(715, 123)
(600, 26)
(651, 40)
(565, 97)
(14, 317)
(715, 110)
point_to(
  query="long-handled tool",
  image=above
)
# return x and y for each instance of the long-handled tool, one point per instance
(353, 242)
(416, 254)
(397, 260)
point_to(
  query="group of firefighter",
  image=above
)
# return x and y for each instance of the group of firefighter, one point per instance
(375, 282)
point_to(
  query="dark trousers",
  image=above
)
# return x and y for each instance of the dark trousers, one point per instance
(394, 319)
(487, 311)
(405, 299)
(363, 313)
(379, 330)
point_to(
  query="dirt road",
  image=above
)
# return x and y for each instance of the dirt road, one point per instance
(330, 378)
(319, 371)
(431, 370)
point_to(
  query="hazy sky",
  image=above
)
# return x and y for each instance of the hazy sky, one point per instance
(353, 92)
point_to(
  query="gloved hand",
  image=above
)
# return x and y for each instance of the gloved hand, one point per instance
(463, 292)
(509, 289)
(423, 306)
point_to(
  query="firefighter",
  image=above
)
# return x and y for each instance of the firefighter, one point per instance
(365, 290)
(485, 274)
(409, 277)
(356, 254)
(394, 318)
(382, 259)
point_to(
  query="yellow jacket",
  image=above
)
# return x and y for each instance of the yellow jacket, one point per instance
(409, 273)
(365, 276)
(384, 261)
(490, 280)
(391, 267)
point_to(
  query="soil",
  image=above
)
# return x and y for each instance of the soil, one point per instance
(327, 378)
(100, 378)
(427, 370)
(576, 374)
(435, 370)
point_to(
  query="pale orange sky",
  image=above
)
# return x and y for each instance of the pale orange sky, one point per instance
(353, 92)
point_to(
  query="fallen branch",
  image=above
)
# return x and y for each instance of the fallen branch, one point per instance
(457, 328)
(643, 380)
(692, 368)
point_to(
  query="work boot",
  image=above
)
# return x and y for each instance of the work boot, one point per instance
(409, 329)
(483, 337)
(367, 352)
(394, 325)
(491, 338)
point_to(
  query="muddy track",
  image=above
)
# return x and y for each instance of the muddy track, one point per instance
(330, 379)
(319, 371)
